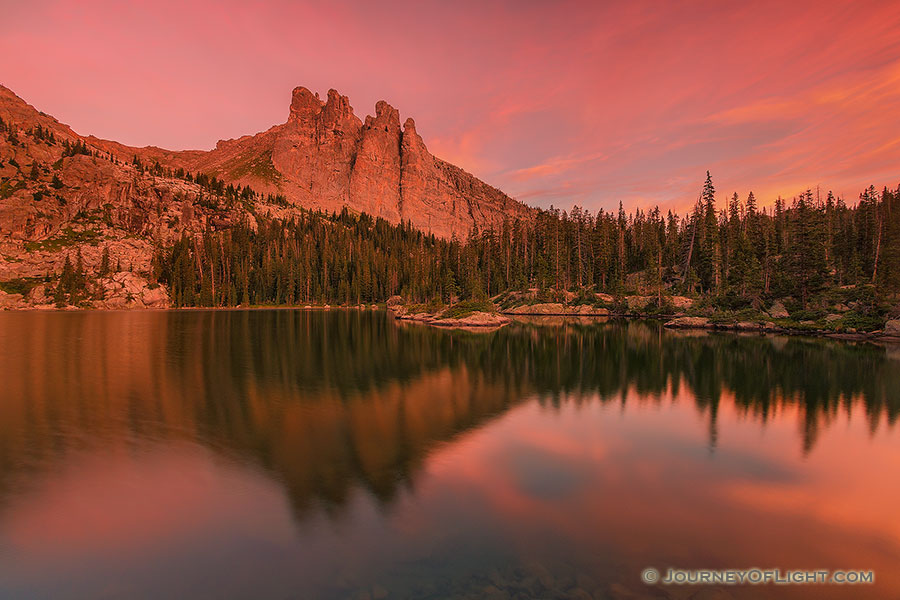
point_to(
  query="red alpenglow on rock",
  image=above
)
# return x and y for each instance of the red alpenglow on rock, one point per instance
(325, 157)
(322, 157)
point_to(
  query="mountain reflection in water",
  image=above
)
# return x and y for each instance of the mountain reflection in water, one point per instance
(431, 463)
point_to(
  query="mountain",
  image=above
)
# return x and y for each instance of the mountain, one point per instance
(325, 157)
(62, 193)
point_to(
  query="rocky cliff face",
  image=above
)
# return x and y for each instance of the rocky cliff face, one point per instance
(63, 196)
(375, 179)
(314, 151)
(325, 157)
(67, 195)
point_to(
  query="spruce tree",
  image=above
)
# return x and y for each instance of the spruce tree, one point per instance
(806, 266)
(888, 279)
(709, 259)
(104, 262)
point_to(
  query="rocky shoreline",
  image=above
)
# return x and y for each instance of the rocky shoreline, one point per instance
(556, 309)
(128, 291)
(836, 320)
(774, 321)
(476, 319)
(890, 332)
(123, 290)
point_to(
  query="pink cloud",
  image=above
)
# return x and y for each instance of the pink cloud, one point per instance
(773, 97)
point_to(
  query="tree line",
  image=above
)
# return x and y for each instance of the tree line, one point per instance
(736, 253)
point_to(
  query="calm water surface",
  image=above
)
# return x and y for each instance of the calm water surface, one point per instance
(292, 454)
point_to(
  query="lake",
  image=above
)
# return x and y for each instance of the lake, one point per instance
(341, 454)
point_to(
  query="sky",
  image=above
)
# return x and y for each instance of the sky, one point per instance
(555, 102)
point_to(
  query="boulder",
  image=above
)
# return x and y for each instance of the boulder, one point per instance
(681, 302)
(155, 298)
(557, 309)
(690, 323)
(892, 328)
(38, 295)
(8, 301)
(588, 310)
(778, 311)
(638, 302)
(125, 289)
(549, 308)
(475, 319)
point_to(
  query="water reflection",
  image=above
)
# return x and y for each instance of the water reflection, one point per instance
(422, 461)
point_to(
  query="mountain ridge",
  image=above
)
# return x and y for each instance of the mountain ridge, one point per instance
(77, 208)
(325, 157)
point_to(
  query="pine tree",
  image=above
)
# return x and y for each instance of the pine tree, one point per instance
(738, 254)
(888, 279)
(807, 266)
(104, 262)
(65, 284)
(709, 259)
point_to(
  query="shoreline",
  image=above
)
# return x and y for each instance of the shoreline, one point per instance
(683, 322)
(488, 322)
(475, 320)
(672, 322)
(137, 309)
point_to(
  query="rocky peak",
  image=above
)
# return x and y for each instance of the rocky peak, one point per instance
(375, 177)
(305, 106)
(331, 159)
(337, 111)
(322, 157)
(412, 141)
(386, 117)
